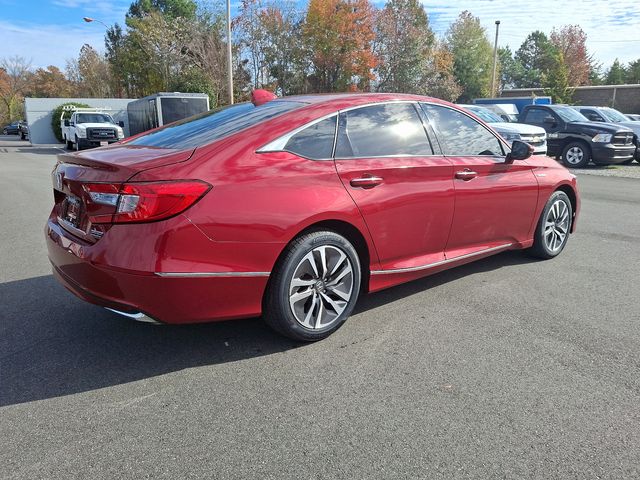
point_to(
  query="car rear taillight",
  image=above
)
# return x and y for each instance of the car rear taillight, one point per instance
(141, 201)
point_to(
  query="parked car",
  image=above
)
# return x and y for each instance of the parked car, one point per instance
(534, 136)
(292, 207)
(571, 136)
(23, 131)
(611, 115)
(11, 129)
(89, 127)
(633, 117)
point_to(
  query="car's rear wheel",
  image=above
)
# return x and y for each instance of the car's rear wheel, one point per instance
(314, 287)
(576, 155)
(77, 144)
(552, 231)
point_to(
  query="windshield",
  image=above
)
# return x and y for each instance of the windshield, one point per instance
(568, 114)
(486, 115)
(613, 115)
(206, 127)
(93, 118)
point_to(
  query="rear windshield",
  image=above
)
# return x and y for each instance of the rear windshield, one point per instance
(207, 127)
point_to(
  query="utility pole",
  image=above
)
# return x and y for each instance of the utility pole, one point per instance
(495, 61)
(229, 65)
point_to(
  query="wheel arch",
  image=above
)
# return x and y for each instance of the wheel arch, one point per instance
(569, 140)
(347, 230)
(573, 198)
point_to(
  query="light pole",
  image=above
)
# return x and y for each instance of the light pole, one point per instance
(495, 61)
(229, 67)
(89, 20)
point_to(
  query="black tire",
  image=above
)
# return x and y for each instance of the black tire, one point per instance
(22, 136)
(579, 155)
(4, 131)
(541, 248)
(69, 145)
(279, 314)
(77, 144)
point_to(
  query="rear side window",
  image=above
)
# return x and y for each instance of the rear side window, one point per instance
(461, 135)
(382, 130)
(315, 141)
(536, 115)
(213, 125)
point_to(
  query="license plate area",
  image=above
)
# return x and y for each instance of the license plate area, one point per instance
(103, 143)
(71, 210)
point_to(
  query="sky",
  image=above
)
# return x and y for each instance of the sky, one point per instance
(48, 32)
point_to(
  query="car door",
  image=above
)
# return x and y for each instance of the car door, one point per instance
(403, 188)
(552, 123)
(495, 200)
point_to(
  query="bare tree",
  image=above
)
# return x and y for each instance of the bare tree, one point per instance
(15, 77)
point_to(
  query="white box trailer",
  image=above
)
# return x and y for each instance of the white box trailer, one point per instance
(164, 108)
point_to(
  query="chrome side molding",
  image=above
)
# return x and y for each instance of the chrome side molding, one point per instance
(211, 274)
(441, 262)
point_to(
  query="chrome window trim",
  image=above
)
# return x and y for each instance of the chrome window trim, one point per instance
(279, 143)
(506, 148)
(210, 274)
(441, 262)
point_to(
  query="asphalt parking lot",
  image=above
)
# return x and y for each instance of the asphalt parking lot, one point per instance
(504, 368)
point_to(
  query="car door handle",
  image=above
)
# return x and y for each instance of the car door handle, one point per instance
(466, 174)
(368, 181)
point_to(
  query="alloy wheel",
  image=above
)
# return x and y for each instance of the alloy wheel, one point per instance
(574, 155)
(556, 226)
(321, 287)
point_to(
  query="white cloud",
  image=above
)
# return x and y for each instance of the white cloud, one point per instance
(610, 25)
(48, 45)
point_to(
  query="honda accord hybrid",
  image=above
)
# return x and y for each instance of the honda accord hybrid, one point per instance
(292, 207)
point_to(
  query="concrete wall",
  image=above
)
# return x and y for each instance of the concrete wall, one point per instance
(39, 111)
(625, 98)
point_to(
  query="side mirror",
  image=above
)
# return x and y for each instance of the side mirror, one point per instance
(121, 123)
(66, 123)
(519, 151)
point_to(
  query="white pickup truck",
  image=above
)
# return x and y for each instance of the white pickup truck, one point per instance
(89, 127)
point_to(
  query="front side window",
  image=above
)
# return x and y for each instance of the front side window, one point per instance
(315, 141)
(568, 114)
(461, 135)
(213, 125)
(390, 129)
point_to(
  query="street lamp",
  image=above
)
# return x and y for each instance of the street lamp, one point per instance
(229, 67)
(495, 61)
(89, 20)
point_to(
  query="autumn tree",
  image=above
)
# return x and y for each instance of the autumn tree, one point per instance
(438, 78)
(616, 74)
(89, 74)
(403, 45)
(536, 57)
(338, 35)
(467, 40)
(570, 41)
(49, 82)
(16, 77)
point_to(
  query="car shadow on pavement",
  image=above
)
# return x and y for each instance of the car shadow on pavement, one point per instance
(53, 344)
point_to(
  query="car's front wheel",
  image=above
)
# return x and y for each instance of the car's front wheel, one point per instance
(576, 155)
(314, 287)
(552, 231)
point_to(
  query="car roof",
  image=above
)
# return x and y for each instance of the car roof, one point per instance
(355, 99)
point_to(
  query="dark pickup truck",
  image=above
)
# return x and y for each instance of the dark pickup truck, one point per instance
(573, 137)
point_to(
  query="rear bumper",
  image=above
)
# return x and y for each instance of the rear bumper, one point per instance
(610, 154)
(172, 299)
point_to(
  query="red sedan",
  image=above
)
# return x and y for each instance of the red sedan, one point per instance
(291, 208)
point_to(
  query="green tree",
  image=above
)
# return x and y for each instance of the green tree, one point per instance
(616, 74)
(511, 71)
(472, 53)
(170, 9)
(403, 45)
(557, 82)
(536, 57)
(633, 72)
